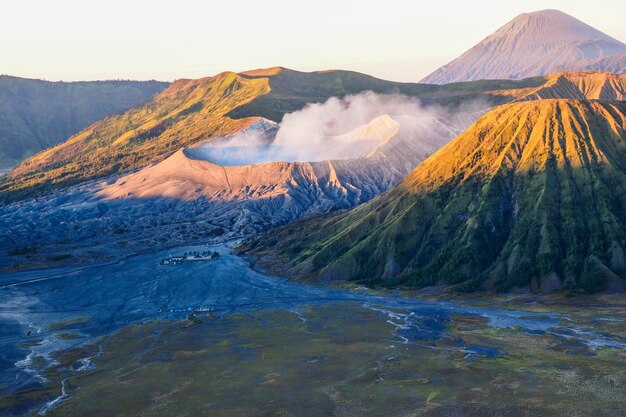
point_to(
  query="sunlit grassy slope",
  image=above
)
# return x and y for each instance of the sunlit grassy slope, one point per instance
(187, 111)
(581, 85)
(532, 195)
(36, 114)
(191, 111)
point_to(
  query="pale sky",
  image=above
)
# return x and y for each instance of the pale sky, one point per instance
(157, 39)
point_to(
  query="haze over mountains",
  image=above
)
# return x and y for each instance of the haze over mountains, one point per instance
(532, 44)
(36, 114)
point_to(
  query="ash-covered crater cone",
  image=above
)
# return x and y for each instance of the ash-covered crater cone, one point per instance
(265, 141)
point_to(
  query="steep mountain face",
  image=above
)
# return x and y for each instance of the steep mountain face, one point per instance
(581, 85)
(533, 44)
(615, 64)
(193, 111)
(36, 114)
(531, 196)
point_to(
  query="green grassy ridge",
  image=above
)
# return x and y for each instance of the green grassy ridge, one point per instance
(37, 114)
(191, 111)
(531, 190)
(187, 112)
(292, 90)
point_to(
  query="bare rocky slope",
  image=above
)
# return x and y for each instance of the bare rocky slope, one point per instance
(187, 197)
(275, 192)
(534, 44)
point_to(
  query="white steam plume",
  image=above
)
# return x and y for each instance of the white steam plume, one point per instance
(307, 134)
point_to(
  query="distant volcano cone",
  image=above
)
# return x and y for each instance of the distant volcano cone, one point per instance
(533, 44)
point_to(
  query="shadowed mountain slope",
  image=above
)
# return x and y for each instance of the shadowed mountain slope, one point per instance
(37, 114)
(531, 196)
(533, 44)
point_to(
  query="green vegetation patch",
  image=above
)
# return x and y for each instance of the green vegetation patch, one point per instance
(338, 359)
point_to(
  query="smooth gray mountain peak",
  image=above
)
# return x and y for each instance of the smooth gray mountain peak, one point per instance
(533, 44)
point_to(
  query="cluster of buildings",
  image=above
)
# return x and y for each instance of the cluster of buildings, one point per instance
(190, 257)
